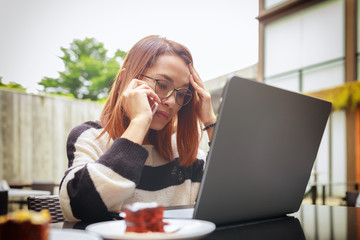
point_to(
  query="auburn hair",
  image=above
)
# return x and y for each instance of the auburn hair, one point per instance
(139, 59)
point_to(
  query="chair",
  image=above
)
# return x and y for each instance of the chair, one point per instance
(43, 185)
(351, 197)
(4, 202)
(50, 202)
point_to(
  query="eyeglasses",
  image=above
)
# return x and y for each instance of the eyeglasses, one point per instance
(164, 89)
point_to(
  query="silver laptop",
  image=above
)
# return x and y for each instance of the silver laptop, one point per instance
(262, 153)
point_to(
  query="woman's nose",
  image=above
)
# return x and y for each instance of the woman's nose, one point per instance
(169, 100)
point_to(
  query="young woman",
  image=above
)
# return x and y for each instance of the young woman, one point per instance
(145, 146)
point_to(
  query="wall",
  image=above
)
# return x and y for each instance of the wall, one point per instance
(216, 85)
(33, 134)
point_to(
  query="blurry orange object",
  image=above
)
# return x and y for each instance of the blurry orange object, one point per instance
(26, 225)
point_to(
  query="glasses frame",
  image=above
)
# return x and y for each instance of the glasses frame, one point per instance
(174, 89)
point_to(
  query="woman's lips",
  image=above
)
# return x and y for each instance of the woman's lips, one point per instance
(162, 114)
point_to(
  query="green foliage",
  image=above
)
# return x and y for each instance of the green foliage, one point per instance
(346, 96)
(12, 85)
(88, 72)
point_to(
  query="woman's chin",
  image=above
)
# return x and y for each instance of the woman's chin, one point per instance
(157, 126)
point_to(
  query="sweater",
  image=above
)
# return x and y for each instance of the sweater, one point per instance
(104, 175)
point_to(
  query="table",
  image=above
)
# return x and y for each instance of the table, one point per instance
(19, 196)
(310, 222)
(23, 193)
(21, 184)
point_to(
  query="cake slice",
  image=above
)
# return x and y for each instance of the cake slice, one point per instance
(144, 217)
(25, 225)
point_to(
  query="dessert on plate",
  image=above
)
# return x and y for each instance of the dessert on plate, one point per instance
(26, 225)
(144, 217)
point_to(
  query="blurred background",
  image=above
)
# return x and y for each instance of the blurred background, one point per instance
(58, 60)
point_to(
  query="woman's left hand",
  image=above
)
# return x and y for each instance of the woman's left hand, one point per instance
(203, 105)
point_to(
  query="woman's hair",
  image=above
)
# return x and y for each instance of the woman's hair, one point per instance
(139, 59)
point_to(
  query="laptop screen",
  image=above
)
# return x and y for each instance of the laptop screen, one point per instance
(262, 152)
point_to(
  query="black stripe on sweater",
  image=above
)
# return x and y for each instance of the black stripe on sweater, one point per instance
(74, 135)
(126, 158)
(72, 138)
(171, 174)
(86, 203)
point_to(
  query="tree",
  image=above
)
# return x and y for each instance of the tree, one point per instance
(88, 71)
(12, 85)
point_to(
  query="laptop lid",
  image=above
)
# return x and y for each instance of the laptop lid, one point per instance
(262, 153)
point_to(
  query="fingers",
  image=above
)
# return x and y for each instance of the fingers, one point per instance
(196, 76)
(136, 83)
(198, 86)
(139, 85)
(138, 100)
(152, 95)
(194, 84)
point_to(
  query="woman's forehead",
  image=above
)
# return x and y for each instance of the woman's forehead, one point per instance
(172, 68)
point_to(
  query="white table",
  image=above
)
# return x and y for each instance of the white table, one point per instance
(24, 193)
(19, 196)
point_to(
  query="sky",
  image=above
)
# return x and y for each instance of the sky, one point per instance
(222, 35)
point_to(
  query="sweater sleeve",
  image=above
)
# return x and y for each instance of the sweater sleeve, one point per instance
(98, 179)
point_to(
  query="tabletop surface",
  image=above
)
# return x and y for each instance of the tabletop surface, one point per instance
(310, 222)
(13, 192)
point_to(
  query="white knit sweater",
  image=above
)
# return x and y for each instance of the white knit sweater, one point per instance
(103, 175)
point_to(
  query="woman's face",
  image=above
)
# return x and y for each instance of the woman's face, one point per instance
(174, 69)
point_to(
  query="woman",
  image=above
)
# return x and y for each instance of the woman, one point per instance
(144, 148)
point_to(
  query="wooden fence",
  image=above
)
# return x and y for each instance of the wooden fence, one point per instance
(33, 134)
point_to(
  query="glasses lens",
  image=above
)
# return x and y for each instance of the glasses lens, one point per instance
(163, 88)
(183, 96)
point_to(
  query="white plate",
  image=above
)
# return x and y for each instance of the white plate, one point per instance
(72, 234)
(176, 229)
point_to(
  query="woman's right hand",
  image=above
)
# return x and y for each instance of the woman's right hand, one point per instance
(138, 100)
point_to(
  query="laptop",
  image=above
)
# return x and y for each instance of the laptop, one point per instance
(261, 156)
